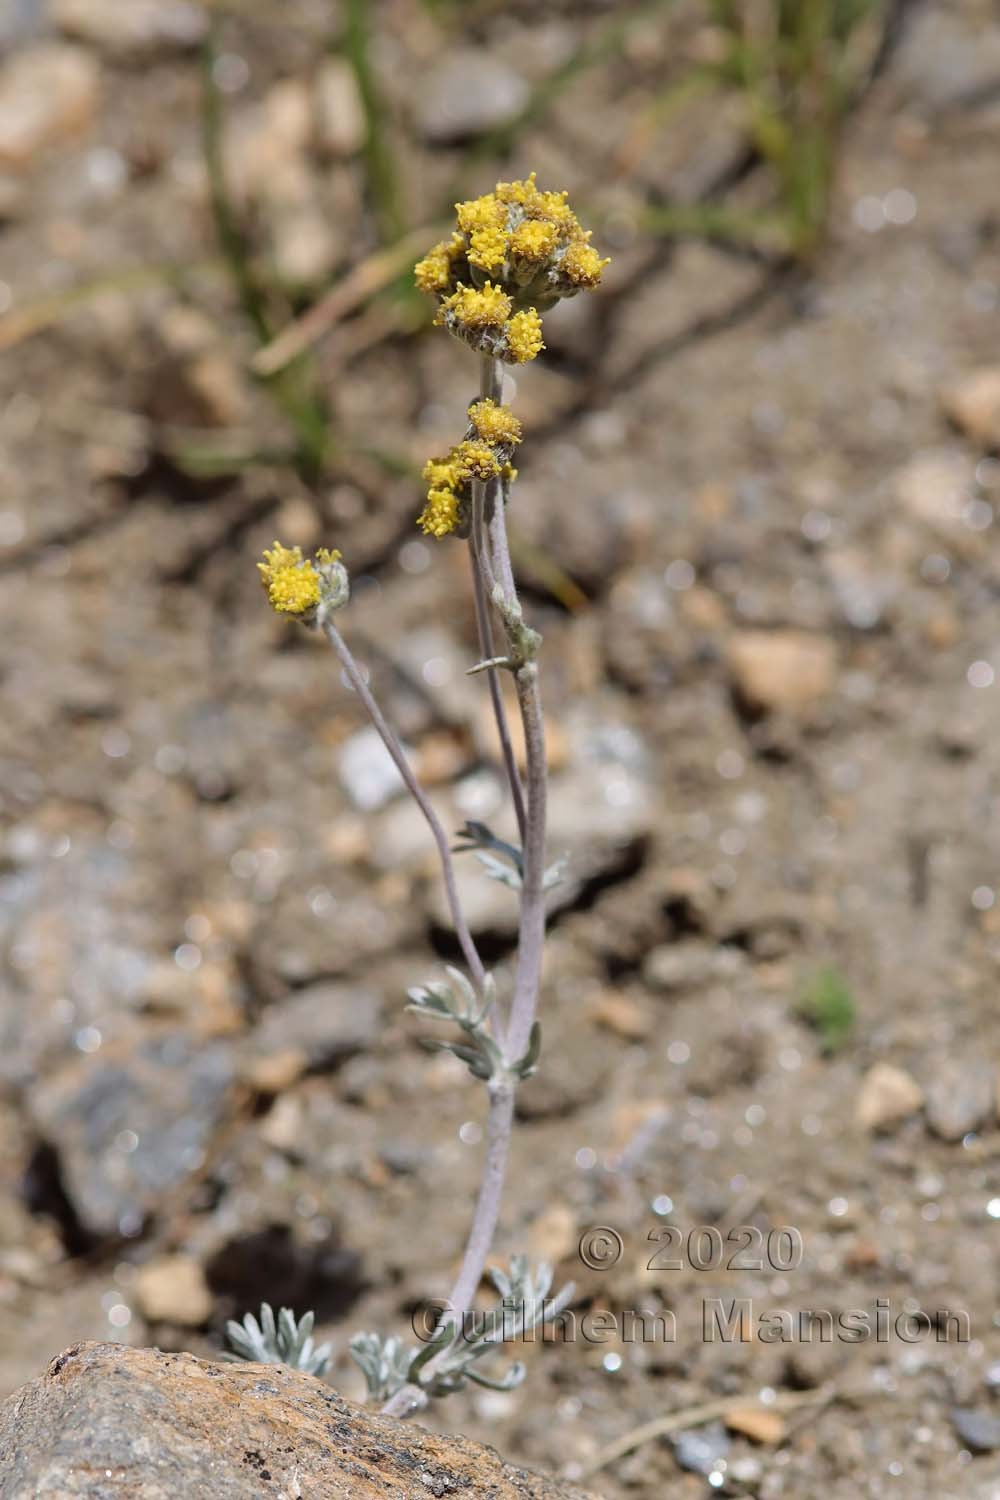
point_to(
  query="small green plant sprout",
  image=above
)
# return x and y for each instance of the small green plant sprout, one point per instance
(514, 253)
(827, 1004)
(284, 1342)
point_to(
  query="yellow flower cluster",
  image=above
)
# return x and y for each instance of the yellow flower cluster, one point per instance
(483, 456)
(494, 424)
(293, 583)
(489, 307)
(524, 337)
(440, 513)
(515, 247)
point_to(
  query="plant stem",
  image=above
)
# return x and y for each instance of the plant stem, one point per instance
(410, 1398)
(531, 933)
(491, 566)
(484, 1222)
(487, 650)
(396, 751)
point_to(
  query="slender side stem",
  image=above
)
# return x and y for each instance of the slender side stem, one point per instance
(395, 749)
(488, 651)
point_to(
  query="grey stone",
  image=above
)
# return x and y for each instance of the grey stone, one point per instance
(979, 1430)
(959, 1098)
(327, 1022)
(701, 1450)
(367, 772)
(679, 966)
(140, 26)
(340, 115)
(946, 58)
(131, 1122)
(468, 94)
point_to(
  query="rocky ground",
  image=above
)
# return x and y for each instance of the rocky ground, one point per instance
(756, 521)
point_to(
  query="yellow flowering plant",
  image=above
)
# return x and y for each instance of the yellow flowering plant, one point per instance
(514, 253)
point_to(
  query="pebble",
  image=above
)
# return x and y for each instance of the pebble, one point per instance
(283, 1127)
(173, 1289)
(266, 146)
(305, 245)
(973, 404)
(468, 94)
(340, 116)
(946, 56)
(48, 93)
(757, 1423)
(703, 1450)
(621, 1015)
(490, 907)
(933, 486)
(326, 1022)
(276, 1071)
(781, 669)
(888, 1095)
(367, 772)
(959, 1098)
(125, 28)
(673, 967)
(979, 1430)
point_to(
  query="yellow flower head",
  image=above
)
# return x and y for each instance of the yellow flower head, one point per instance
(475, 461)
(522, 192)
(554, 208)
(495, 424)
(488, 308)
(440, 513)
(524, 337)
(488, 249)
(292, 583)
(440, 473)
(486, 212)
(533, 241)
(297, 586)
(582, 266)
(433, 273)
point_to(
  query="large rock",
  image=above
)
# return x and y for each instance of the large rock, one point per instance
(107, 1421)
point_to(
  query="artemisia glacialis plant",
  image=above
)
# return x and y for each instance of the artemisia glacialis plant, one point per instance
(514, 253)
